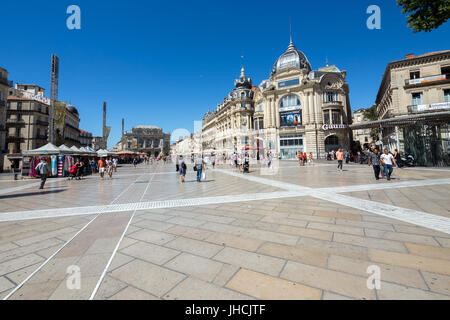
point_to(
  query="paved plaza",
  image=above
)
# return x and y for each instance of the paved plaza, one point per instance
(292, 233)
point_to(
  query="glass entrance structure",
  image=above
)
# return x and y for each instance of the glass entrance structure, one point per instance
(290, 145)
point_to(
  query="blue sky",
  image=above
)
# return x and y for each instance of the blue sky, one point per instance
(166, 63)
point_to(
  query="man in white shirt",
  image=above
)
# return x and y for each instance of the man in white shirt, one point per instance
(386, 159)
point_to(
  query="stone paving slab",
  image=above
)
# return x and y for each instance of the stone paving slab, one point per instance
(297, 247)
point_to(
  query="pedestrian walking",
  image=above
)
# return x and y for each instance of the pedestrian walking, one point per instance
(374, 161)
(305, 159)
(198, 167)
(101, 167)
(43, 169)
(300, 158)
(182, 168)
(115, 162)
(340, 159)
(135, 162)
(311, 159)
(387, 159)
(213, 160)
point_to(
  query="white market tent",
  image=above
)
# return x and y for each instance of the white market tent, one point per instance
(48, 149)
(103, 153)
(65, 149)
(76, 150)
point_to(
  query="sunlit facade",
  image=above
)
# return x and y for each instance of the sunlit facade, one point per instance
(296, 109)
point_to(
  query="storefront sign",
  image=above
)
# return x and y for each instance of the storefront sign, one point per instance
(35, 97)
(433, 106)
(288, 83)
(334, 126)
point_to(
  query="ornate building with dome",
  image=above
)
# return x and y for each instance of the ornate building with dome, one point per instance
(295, 109)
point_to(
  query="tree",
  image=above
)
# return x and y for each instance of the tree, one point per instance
(372, 115)
(425, 15)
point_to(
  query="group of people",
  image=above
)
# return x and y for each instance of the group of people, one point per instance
(382, 162)
(304, 158)
(199, 167)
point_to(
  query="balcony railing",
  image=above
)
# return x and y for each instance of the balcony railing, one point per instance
(428, 107)
(426, 80)
(2, 103)
(331, 103)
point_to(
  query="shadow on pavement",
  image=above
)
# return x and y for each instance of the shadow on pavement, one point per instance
(18, 195)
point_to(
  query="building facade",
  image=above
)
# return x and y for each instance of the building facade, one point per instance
(145, 139)
(85, 138)
(297, 109)
(417, 89)
(361, 136)
(5, 84)
(27, 120)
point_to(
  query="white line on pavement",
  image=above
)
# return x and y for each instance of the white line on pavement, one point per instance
(94, 292)
(62, 247)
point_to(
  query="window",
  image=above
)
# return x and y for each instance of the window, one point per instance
(19, 117)
(332, 116)
(261, 123)
(336, 117)
(447, 95)
(416, 98)
(326, 117)
(414, 75)
(330, 97)
(19, 105)
(290, 101)
(358, 119)
(445, 70)
(260, 107)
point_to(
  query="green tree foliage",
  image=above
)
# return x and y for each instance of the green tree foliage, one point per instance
(425, 15)
(371, 113)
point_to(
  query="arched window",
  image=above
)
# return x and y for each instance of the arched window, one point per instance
(290, 101)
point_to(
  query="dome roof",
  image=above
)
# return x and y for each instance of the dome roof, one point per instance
(291, 58)
(72, 109)
(243, 81)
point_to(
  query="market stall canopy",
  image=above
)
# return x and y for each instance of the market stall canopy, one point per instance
(75, 149)
(65, 149)
(86, 151)
(125, 152)
(103, 153)
(48, 149)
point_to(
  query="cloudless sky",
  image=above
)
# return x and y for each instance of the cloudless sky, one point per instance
(165, 63)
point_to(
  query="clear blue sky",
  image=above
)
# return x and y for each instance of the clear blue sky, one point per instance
(165, 63)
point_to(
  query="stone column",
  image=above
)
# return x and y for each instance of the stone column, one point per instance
(277, 114)
(305, 109)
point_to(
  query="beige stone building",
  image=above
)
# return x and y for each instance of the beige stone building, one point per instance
(361, 135)
(295, 109)
(85, 138)
(414, 96)
(27, 120)
(5, 84)
(145, 139)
